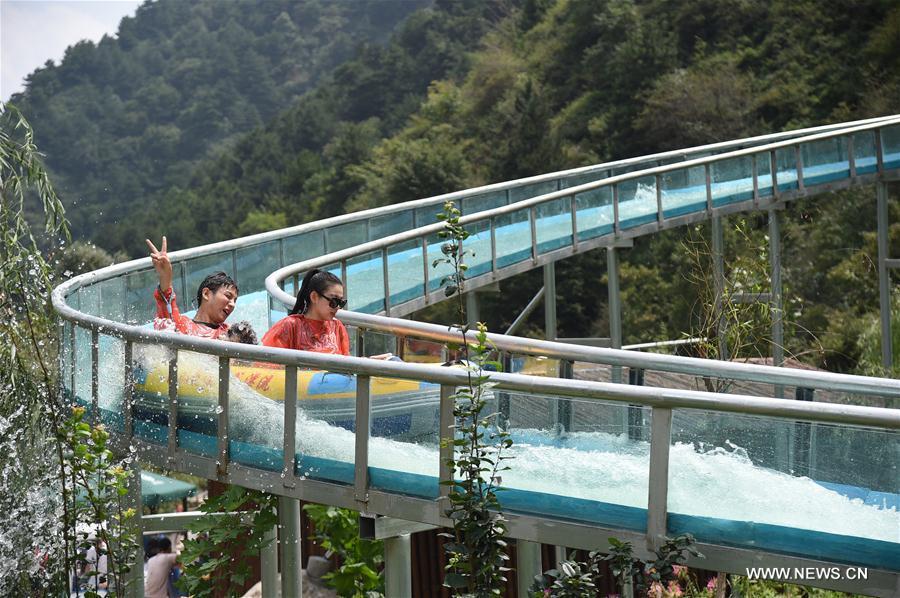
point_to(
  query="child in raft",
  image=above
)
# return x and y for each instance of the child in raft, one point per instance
(242, 332)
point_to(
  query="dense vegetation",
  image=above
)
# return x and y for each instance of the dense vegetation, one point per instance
(466, 93)
(131, 116)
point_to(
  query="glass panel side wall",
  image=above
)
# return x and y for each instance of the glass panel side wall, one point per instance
(810, 489)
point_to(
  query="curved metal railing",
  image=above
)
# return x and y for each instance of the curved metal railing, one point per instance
(784, 179)
(488, 222)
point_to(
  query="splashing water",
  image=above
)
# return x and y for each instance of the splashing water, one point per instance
(722, 483)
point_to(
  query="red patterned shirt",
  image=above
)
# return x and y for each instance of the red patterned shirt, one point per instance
(299, 332)
(168, 317)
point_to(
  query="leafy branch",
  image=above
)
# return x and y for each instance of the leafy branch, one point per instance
(476, 549)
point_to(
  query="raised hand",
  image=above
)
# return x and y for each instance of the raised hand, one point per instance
(160, 258)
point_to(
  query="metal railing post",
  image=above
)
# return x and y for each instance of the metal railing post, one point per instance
(363, 430)
(289, 464)
(615, 307)
(550, 331)
(128, 402)
(635, 412)
(222, 454)
(884, 277)
(657, 500)
(776, 305)
(173, 407)
(718, 255)
(387, 285)
(95, 376)
(445, 474)
(473, 314)
(425, 266)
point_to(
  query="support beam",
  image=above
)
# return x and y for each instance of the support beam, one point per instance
(268, 561)
(718, 259)
(289, 525)
(526, 312)
(657, 500)
(615, 307)
(776, 303)
(550, 328)
(528, 565)
(363, 431)
(472, 312)
(884, 277)
(134, 579)
(398, 566)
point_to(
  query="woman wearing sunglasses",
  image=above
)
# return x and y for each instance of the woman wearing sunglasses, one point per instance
(310, 325)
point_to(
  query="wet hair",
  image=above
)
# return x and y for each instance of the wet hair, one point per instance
(315, 280)
(165, 544)
(156, 544)
(242, 332)
(213, 282)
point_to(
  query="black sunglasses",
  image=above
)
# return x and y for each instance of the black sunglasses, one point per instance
(335, 302)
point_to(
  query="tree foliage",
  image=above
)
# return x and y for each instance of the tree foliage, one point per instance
(468, 93)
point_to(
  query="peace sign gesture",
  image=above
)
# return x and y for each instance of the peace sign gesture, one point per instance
(160, 258)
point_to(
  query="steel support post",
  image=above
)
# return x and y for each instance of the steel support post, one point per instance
(528, 564)
(777, 307)
(447, 434)
(718, 259)
(268, 561)
(472, 315)
(657, 500)
(776, 304)
(289, 524)
(560, 554)
(615, 307)
(363, 430)
(884, 277)
(550, 331)
(398, 566)
(134, 579)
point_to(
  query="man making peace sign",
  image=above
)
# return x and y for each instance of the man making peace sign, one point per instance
(215, 300)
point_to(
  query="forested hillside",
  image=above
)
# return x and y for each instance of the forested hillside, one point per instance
(471, 92)
(135, 114)
(567, 83)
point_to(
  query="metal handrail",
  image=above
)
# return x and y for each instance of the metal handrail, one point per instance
(686, 365)
(661, 402)
(273, 280)
(883, 387)
(768, 374)
(260, 238)
(639, 395)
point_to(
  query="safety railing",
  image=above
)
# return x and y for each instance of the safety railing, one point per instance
(369, 267)
(105, 365)
(358, 469)
(125, 293)
(392, 274)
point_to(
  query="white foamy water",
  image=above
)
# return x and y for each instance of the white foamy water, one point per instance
(604, 467)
